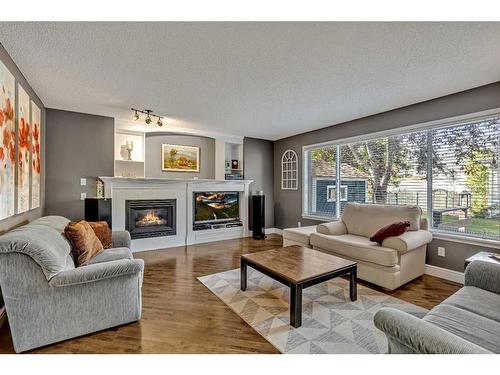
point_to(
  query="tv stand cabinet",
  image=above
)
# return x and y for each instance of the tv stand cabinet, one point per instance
(212, 226)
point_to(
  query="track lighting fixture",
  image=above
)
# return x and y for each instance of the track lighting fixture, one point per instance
(148, 118)
(149, 113)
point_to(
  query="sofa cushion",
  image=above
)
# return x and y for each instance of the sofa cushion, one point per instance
(109, 255)
(102, 231)
(366, 219)
(84, 243)
(300, 234)
(45, 245)
(356, 247)
(477, 301)
(391, 230)
(472, 327)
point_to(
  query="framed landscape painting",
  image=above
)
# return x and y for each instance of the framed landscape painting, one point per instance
(36, 115)
(24, 151)
(177, 158)
(7, 142)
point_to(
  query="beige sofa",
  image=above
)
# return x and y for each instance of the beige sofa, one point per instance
(397, 261)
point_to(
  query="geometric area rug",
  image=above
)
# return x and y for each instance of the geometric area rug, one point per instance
(331, 322)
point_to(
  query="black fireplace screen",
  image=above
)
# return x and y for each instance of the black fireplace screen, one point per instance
(150, 218)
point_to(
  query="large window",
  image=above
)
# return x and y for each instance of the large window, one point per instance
(452, 173)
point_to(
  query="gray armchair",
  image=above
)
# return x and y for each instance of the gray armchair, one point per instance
(48, 300)
(467, 322)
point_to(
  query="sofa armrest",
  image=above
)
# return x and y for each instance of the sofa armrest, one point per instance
(97, 271)
(408, 241)
(419, 336)
(121, 238)
(336, 228)
(484, 275)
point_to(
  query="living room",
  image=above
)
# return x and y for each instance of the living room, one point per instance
(250, 188)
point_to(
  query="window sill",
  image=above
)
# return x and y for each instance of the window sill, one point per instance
(319, 218)
(483, 242)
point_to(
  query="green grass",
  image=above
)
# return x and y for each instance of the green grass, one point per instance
(477, 225)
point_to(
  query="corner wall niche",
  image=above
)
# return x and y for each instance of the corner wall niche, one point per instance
(129, 154)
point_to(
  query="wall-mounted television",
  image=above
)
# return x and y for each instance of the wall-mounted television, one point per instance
(216, 206)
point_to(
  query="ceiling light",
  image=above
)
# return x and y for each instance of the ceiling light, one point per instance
(149, 113)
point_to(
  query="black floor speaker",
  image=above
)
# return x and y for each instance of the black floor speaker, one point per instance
(258, 217)
(98, 209)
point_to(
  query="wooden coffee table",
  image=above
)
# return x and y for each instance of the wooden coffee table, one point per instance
(298, 268)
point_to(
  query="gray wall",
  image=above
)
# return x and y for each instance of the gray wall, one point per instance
(25, 217)
(78, 146)
(288, 204)
(153, 155)
(258, 166)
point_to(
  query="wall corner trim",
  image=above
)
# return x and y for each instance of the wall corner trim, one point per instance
(444, 273)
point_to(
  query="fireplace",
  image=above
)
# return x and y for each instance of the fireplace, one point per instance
(150, 218)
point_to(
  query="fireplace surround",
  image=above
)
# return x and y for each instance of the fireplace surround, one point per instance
(147, 218)
(123, 189)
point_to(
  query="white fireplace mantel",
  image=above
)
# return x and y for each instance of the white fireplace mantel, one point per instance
(121, 189)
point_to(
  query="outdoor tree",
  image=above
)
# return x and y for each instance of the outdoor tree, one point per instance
(477, 178)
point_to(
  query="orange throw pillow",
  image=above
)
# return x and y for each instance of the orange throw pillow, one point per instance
(84, 243)
(102, 231)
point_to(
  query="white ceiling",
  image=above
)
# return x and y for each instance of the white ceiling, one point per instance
(265, 80)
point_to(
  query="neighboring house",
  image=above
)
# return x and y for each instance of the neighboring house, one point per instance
(353, 187)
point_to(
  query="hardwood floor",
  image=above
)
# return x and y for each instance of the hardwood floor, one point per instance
(180, 315)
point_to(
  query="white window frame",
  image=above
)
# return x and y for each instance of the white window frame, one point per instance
(343, 188)
(289, 166)
(437, 124)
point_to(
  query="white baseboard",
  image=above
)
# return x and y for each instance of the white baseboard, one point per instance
(269, 231)
(274, 231)
(444, 273)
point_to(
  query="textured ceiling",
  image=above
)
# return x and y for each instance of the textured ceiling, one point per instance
(266, 80)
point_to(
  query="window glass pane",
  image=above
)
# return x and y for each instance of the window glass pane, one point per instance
(322, 171)
(343, 192)
(388, 170)
(465, 183)
(331, 193)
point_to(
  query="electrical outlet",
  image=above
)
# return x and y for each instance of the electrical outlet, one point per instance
(441, 251)
(299, 224)
(83, 181)
(83, 196)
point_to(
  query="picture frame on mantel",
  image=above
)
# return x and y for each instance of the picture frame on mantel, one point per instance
(179, 158)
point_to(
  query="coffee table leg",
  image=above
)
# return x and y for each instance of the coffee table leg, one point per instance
(243, 280)
(353, 288)
(295, 305)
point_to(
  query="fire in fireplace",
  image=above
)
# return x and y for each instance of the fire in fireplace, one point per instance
(150, 218)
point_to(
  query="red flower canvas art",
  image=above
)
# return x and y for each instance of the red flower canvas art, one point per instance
(7, 142)
(35, 155)
(24, 151)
